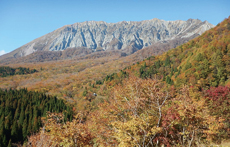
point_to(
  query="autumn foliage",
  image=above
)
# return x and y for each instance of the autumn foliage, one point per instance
(141, 112)
(179, 98)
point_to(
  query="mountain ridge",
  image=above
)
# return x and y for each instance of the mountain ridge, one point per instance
(127, 36)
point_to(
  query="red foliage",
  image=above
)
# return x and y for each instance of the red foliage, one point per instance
(218, 100)
(218, 94)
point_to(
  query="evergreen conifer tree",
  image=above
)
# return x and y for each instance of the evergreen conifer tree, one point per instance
(14, 131)
(9, 144)
(24, 129)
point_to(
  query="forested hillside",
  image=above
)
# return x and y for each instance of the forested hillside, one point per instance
(21, 113)
(179, 98)
(8, 71)
(203, 61)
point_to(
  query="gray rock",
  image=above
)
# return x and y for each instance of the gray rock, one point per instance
(128, 36)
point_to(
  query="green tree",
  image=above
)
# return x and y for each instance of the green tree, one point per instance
(14, 131)
(24, 129)
(4, 140)
(35, 125)
(85, 92)
(22, 116)
(187, 65)
(167, 61)
(9, 144)
(199, 57)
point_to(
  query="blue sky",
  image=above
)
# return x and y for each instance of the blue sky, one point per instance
(22, 21)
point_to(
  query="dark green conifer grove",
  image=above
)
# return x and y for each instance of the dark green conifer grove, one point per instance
(8, 71)
(21, 112)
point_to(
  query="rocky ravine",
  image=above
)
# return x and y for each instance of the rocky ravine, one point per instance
(127, 36)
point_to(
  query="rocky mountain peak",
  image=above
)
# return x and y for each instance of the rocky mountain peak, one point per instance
(127, 36)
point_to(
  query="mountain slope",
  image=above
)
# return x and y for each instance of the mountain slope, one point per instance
(173, 102)
(128, 36)
(202, 62)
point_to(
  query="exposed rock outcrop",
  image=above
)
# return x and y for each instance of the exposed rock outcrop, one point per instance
(127, 36)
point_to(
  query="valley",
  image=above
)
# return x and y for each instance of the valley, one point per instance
(173, 92)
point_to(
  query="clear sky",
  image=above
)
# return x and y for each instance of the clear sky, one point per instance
(22, 21)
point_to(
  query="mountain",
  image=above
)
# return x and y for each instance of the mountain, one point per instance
(178, 98)
(202, 62)
(126, 36)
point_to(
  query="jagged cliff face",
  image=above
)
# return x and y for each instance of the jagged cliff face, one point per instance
(127, 36)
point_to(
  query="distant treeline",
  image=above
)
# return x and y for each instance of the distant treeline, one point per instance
(21, 112)
(8, 71)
